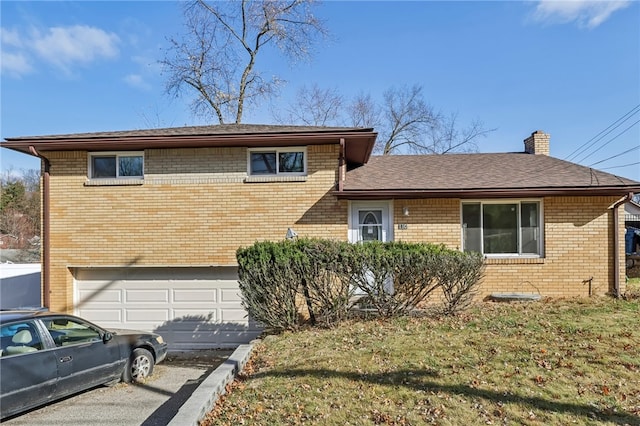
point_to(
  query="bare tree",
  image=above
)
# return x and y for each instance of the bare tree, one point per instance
(405, 122)
(313, 106)
(411, 125)
(362, 111)
(216, 57)
(447, 137)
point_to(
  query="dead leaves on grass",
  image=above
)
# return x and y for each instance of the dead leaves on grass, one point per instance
(526, 353)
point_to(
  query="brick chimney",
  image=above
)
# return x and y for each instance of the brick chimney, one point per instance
(537, 143)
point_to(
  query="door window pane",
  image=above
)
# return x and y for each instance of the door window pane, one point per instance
(19, 338)
(370, 225)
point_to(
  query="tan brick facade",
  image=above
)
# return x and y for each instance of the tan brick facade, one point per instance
(195, 208)
(578, 245)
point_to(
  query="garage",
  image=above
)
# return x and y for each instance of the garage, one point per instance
(191, 308)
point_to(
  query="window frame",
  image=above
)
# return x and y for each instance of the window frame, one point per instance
(277, 151)
(117, 155)
(519, 202)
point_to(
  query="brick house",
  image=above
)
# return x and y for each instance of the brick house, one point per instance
(141, 227)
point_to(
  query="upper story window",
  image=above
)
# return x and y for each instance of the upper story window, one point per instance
(114, 165)
(503, 228)
(278, 161)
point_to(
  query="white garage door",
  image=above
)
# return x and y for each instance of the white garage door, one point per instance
(192, 308)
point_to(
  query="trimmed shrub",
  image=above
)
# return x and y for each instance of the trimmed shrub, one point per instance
(326, 283)
(285, 284)
(395, 277)
(269, 283)
(459, 274)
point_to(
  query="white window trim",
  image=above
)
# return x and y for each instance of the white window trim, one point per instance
(507, 201)
(115, 154)
(278, 150)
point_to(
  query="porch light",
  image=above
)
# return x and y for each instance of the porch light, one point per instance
(405, 211)
(291, 234)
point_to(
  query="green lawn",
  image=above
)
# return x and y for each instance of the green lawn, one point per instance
(544, 363)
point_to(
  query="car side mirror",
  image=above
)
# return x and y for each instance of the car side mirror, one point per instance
(106, 337)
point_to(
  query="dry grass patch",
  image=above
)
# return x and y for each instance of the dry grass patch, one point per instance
(545, 363)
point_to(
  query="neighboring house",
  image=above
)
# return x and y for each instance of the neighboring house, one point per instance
(632, 214)
(141, 227)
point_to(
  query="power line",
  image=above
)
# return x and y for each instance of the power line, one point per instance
(615, 156)
(609, 141)
(588, 144)
(620, 166)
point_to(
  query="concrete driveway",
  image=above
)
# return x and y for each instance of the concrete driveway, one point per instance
(154, 402)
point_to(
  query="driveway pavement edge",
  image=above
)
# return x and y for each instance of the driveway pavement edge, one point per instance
(205, 396)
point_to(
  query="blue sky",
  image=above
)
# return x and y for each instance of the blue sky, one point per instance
(570, 68)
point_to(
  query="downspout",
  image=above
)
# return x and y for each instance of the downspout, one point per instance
(341, 166)
(616, 243)
(46, 258)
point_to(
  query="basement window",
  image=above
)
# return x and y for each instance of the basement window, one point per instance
(504, 228)
(116, 165)
(277, 162)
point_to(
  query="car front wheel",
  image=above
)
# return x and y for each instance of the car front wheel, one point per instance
(139, 367)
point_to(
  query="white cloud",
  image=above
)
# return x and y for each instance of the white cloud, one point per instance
(586, 13)
(67, 46)
(13, 62)
(136, 81)
(63, 47)
(10, 38)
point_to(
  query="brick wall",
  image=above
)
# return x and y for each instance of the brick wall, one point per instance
(578, 245)
(193, 209)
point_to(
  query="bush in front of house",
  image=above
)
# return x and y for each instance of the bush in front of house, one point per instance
(396, 276)
(269, 283)
(287, 284)
(458, 277)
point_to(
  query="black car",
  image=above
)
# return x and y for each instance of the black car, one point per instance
(45, 356)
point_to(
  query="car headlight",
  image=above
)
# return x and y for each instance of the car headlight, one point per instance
(159, 339)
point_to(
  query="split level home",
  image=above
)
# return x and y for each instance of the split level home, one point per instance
(140, 228)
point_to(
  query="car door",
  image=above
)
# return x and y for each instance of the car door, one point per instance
(28, 370)
(83, 356)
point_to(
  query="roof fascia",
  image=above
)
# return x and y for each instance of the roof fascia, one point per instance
(359, 144)
(485, 193)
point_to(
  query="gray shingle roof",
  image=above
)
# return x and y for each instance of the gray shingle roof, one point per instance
(475, 172)
(217, 130)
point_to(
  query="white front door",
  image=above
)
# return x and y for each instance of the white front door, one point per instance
(370, 221)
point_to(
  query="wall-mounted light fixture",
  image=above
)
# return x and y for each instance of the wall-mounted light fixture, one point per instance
(405, 211)
(291, 234)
